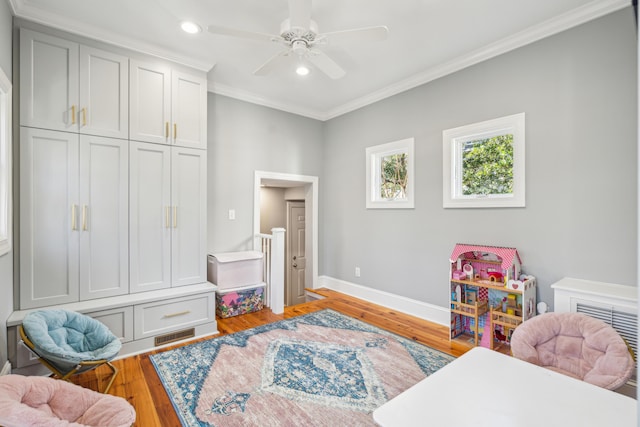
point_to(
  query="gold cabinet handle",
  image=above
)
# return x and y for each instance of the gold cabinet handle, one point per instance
(166, 217)
(175, 131)
(180, 313)
(84, 217)
(166, 129)
(73, 114)
(175, 217)
(74, 224)
(84, 116)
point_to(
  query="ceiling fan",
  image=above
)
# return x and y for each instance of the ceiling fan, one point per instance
(299, 34)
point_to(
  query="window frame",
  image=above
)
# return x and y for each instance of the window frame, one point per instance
(374, 156)
(6, 94)
(452, 141)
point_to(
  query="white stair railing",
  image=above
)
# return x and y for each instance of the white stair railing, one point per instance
(272, 246)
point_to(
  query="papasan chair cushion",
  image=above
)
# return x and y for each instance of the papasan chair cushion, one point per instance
(66, 338)
(577, 345)
(43, 401)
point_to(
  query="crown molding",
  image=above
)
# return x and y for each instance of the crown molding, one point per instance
(254, 98)
(588, 12)
(22, 10)
(573, 18)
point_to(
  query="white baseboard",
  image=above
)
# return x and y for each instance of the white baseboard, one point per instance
(6, 369)
(423, 310)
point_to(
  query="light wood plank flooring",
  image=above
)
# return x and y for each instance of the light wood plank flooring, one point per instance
(138, 383)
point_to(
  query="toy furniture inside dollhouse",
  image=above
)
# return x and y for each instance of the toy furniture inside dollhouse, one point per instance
(490, 296)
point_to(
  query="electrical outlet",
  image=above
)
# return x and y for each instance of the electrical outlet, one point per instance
(357, 271)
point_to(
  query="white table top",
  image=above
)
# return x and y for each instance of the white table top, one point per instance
(487, 388)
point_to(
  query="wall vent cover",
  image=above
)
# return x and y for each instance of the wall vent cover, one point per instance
(175, 336)
(626, 324)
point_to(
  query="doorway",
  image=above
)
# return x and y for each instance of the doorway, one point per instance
(295, 189)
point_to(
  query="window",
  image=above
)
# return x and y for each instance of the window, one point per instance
(5, 164)
(483, 164)
(390, 175)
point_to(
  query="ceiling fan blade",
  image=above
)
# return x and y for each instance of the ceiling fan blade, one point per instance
(266, 68)
(368, 34)
(300, 14)
(325, 64)
(223, 31)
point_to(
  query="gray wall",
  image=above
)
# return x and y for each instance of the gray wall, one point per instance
(273, 209)
(6, 261)
(578, 90)
(243, 138)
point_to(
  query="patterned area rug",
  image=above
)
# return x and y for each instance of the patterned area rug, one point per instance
(319, 369)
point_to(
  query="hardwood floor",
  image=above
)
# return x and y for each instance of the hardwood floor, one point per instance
(138, 383)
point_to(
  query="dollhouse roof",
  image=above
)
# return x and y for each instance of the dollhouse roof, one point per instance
(508, 255)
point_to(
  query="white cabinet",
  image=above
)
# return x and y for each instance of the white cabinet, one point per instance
(189, 200)
(167, 216)
(103, 212)
(149, 218)
(49, 234)
(74, 225)
(70, 87)
(167, 106)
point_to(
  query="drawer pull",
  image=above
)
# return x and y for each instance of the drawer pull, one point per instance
(180, 313)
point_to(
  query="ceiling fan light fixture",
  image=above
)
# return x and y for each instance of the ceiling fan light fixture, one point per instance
(190, 27)
(302, 70)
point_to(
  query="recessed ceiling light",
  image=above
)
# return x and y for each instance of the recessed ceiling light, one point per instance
(190, 27)
(302, 70)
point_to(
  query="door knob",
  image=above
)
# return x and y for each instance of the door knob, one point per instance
(295, 265)
(295, 257)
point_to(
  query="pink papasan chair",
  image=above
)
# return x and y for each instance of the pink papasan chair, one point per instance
(42, 401)
(577, 345)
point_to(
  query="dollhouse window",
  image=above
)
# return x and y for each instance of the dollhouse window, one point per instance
(5, 164)
(483, 164)
(390, 175)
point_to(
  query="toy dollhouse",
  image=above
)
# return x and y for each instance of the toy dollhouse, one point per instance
(489, 295)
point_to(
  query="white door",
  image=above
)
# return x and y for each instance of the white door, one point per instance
(189, 204)
(297, 261)
(48, 82)
(149, 216)
(49, 218)
(104, 217)
(150, 102)
(104, 93)
(188, 110)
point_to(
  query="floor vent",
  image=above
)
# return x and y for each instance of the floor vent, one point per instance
(175, 336)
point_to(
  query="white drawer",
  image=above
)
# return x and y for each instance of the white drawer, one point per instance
(118, 320)
(171, 315)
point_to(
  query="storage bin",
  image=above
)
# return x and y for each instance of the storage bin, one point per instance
(235, 269)
(241, 300)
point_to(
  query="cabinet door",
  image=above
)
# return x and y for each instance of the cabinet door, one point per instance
(104, 217)
(104, 93)
(189, 200)
(149, 216)
(49, 218)
(48, 82)
(189, 110)
(150, 103)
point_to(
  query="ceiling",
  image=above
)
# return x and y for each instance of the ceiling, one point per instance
(427, 39)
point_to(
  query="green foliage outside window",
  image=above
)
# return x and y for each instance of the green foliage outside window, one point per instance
(393, 183)
(487, 166)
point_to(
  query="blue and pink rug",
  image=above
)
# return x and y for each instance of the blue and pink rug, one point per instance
(319, 369)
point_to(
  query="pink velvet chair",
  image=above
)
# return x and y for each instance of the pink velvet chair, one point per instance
(43, 401)
(577, 345)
